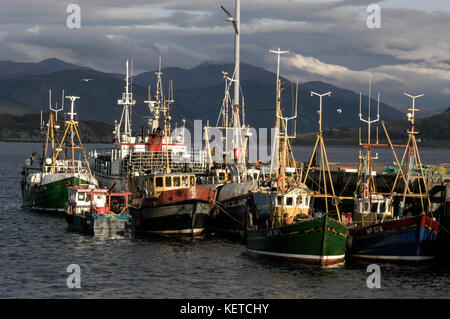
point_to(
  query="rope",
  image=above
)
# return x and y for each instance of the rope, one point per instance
(223, 210)
(448, 232)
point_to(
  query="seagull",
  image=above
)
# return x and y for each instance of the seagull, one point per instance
(339, 110)
(85, 80)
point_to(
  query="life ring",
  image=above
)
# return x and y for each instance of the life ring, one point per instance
(364, 190)
(288, 182)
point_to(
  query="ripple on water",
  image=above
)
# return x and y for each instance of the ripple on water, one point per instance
(36, 249)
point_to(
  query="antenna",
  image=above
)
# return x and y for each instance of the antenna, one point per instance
(369, 121)
(413, 109)
(55, 109)
(320, 107)
(72, 105)
(278, 52)
(236, 20)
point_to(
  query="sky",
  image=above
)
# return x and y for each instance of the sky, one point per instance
(328, 41)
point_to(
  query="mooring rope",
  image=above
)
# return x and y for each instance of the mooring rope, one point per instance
(223, 210)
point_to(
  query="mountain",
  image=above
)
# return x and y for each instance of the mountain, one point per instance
(98, 97)
(198, 94)
(260, 104)
(44, 67)
(205, 75)
(434, 131)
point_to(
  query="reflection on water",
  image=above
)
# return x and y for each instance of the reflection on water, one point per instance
(36, 249)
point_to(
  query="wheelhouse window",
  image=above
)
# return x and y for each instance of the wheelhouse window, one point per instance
(192, 178)
(168, 181)
(176, 181)
(81, 196)
(288, 201)
(366, 206)
(279, 200)
(382, 207)
(185, 181)
(159, 182)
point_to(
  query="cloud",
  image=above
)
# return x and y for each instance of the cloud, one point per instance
(329, 40)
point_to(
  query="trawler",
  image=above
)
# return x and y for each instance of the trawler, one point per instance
(111, 165)
(166, 197)
(99, 211)
(44, 186)
(281, 223)
(377, 230)
(228, 170)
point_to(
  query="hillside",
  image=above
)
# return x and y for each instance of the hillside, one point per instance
(44, 67)
(198, 94)
(434, 131)
(26, 128)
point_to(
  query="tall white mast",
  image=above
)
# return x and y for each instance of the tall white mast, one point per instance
(275, 154)
(236, 21)
(127, 102)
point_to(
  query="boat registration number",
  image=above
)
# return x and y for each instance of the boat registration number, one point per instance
(374, 229)
(273, 233)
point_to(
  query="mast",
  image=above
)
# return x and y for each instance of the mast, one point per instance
(369, 181)
(324, 162)
(278, 111)
(72, 126)
(413, 159)
(123, 136)
(239, 141)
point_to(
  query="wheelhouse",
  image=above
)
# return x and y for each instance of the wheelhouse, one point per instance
(173, 181)
(89, 200)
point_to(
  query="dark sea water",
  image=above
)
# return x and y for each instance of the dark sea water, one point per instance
(36, 249)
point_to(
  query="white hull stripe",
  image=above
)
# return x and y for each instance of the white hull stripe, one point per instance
(298, 256)
(179, 231)
(394, 257)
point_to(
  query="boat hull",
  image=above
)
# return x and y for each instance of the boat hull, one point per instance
(110, 227)
(182, 212)
(303, 241)
(50, 197)
(407, 239)
(229, 217)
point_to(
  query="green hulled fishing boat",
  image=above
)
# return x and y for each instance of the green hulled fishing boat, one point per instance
(303, 240)
(280, 222)
(45, 180)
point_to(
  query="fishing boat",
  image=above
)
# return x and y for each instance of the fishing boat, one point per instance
(171, 204)
(228, 170)
(111, 165)
(377, 230)
(99, 212)
(44, 183)
(166, 198)
(281, 223)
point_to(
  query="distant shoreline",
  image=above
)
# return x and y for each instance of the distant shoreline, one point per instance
(38, 142)
(430, 144)
(328, 143)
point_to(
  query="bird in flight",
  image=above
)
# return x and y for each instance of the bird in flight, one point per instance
(85, 80)
(339, 110)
